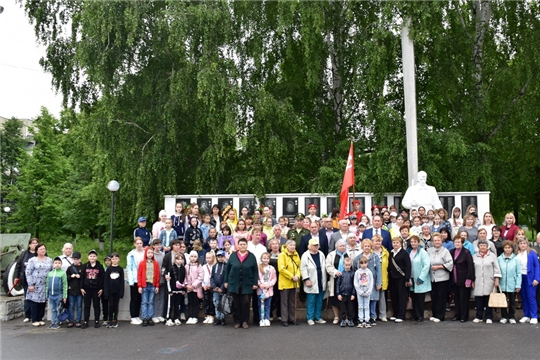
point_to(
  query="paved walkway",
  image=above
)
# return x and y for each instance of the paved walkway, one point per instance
(408, 340)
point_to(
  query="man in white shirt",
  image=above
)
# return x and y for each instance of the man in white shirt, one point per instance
(255, 247)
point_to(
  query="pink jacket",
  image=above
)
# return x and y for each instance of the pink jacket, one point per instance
(194, 277)
(267, 280)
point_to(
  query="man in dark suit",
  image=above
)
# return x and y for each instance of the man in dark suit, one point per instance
(378, 230)
(339, 235)
(314, 234)
(325, 234)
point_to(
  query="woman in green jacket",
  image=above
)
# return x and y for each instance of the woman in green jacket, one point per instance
(421, 279)
(241, 278)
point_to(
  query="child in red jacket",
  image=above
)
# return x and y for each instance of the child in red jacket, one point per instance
(148, 280)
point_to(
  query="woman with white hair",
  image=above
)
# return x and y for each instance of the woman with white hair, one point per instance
(487, 274)
(334, 268)
(67, 251)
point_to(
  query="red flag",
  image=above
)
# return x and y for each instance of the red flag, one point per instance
(348, 181)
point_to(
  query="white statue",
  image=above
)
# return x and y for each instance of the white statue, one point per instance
(421, 194)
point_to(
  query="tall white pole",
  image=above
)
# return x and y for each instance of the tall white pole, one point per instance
(409, 88)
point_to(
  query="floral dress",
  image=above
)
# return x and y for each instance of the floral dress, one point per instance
(36, 275)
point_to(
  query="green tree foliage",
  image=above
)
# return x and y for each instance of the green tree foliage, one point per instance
(13, 150)
(180, 97)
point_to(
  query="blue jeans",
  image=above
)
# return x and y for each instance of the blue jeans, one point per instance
(217, 298)
(54, 302)
(372, 307)
(363, 308)
(314, 306)
(75, 305)
(267, 308)
(147, 304)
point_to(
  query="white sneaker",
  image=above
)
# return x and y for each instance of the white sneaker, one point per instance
(177, 322)
(155, 320)
(26, 320)
(512, 321)
(503, 321)
(392, 319)
(320, 321)
(169, 323)
(524, 320)
(161, 319)
(261, 323)
(398, 320)
(311, 322)
(336, 321)
(534, 321)
(135, 321)
(476, 321)
(210, 320)
(195, 320)
(431, 318)
(266, 322)
(384, 319)
(205, 321)
(183, 317)
(189, 321)
(489, 321)
(435, 320)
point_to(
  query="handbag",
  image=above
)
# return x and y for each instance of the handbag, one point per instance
(225, 304)
(497, 299)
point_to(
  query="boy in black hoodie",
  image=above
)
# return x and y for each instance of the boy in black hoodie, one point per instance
(74, 278)
(92, 287)
(113, 289)
(217, 280)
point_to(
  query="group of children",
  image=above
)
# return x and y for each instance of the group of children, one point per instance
(353, 284)
(82, 286)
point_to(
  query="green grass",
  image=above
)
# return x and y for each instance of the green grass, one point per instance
(84, 245)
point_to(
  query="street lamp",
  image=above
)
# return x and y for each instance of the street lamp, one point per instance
(7, 209)
(113, 187)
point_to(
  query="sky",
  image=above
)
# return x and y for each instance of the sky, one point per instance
(24, 86)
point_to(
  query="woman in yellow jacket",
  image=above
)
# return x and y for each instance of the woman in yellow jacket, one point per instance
(289, 279)
(383, 256)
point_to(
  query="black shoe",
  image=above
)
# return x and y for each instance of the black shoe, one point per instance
(462, 321)
(293, 322)
(150, 322)
(420, 320)
(372, 322)
(223, 322)
(97, 324)
(114, 324)
(414, 319)
(217, 322)
(71, 324)
(285, 324)
(84, 325)
(454, 319)
(145, 322)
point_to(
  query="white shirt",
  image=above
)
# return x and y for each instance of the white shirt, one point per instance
(256, 250)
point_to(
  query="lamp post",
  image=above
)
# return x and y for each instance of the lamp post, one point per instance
(113, 187)
(7, 209)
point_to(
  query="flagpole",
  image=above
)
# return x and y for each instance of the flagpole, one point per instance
(353, 188)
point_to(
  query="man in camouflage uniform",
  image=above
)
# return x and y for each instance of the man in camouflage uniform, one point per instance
(298, 231)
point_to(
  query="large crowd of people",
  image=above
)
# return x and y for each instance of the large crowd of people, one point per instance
(190, 261)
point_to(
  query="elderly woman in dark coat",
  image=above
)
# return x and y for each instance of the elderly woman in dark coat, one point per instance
(241, 278)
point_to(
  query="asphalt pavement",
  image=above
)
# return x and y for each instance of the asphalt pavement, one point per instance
(408, 340)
